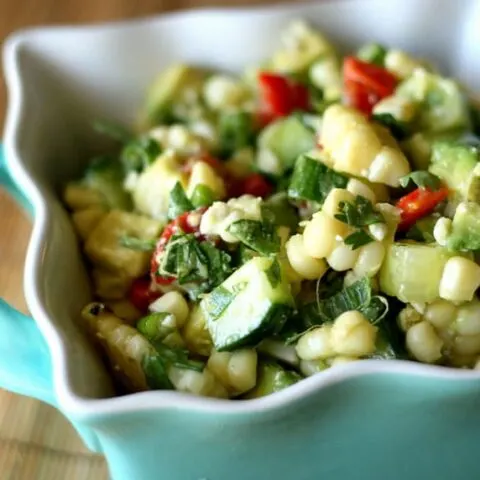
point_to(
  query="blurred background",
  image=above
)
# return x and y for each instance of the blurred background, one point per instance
(36, 442)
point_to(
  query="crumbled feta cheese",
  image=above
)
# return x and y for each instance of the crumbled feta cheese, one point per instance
(217, 219)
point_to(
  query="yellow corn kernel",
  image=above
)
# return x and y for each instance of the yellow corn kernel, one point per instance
(204, 174)
(305, 265)
(342, 257)
(370, 258)
(356, 187)
(460, 279)
(316, 344)
(423, 343)
(353, 335)
(319, 235)
(440, 314)
(334, 198)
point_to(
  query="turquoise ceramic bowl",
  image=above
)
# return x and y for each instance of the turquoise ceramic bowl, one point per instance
(368, 420)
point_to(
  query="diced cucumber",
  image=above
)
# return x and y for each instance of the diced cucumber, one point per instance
(166, 90)
(412, 271)
(465, 233)
(271, 378)
(422, 231)
(372, 53)
(235, 130)
(251, 304)
(418, 147)
(285, 139)
(156, 326)
(302, 45)
(444, 106)
(312, 180)
(202, 196)
(456, 165)
(105, 175)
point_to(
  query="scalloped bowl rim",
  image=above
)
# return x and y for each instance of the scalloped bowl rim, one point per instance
(79, 406)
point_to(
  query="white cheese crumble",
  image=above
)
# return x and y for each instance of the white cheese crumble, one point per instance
(217, 219)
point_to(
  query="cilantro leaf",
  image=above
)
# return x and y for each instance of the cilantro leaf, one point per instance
(178, 357)
(219, 263)
(155, 369)
(312, 180)
(358, 239)
(155, 365)
(360, 213)
(139, 153)
(422, 179)
(178, 202)
(259, 236)
(196, 266)
(235, 130)
(139, 244)
(358, 296)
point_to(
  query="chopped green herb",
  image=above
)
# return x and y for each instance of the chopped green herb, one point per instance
(259, 236)
(421, 178)
(197, 266)
(178, 357)
(330, 284)
(155, 369)
(360, 213)
(178, 203)
(358, 296)
(219, 264)
(313, 180)
(139, 154)
(235, 130)
(358, 239)
(139, 244)
(152, 326)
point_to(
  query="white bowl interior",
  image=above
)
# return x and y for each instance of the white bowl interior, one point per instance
(63, 78)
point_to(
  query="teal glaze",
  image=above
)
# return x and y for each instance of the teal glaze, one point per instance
(9, 185)
(375, 427)
(372, 428)
(25, 366)
(24, 356)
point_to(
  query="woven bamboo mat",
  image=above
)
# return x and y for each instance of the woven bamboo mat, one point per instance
(38, 443)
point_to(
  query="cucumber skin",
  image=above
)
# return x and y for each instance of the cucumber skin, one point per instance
(276, 318)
